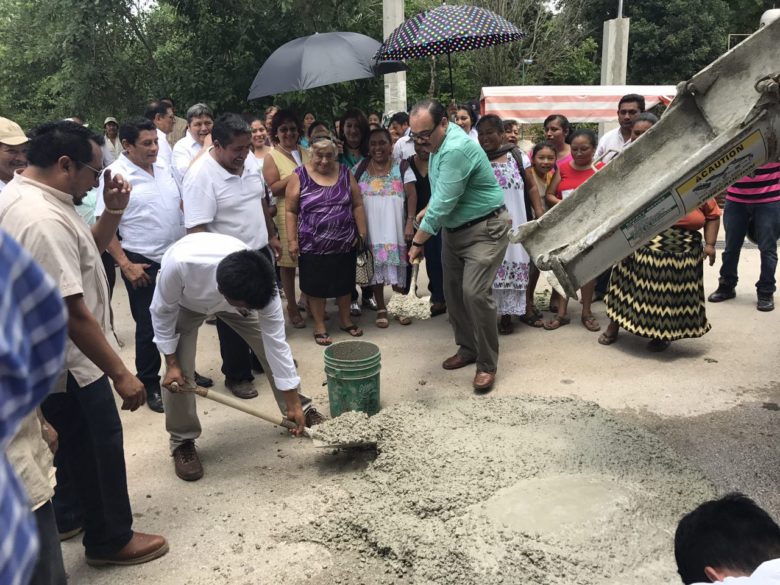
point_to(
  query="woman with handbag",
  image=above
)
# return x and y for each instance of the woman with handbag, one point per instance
(325, 221)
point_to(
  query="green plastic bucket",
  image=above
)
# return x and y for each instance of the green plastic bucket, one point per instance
(353, 368)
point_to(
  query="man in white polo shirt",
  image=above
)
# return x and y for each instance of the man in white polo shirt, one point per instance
(614, 141)
(200, 120)
(611, 145)
(152, 221)
(161, 113)
(213, 274)
(224, 195)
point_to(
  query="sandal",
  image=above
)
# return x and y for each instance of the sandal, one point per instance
(557, 322)
(353, 330)
(607, 339)
(403, 320)
(297, 322)
(322, 339)
(381, 321)
(505, 326)
(590, 322)
(533, 318)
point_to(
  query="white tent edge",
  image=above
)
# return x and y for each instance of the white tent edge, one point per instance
(529, 104)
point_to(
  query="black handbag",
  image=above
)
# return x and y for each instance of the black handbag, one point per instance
(364, 266)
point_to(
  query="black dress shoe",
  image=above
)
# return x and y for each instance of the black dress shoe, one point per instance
(154, 400)
(765, 303)
(438, 309)
(203, 381)
(722, 293)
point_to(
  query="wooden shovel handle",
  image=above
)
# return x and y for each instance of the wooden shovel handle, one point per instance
(238, 405)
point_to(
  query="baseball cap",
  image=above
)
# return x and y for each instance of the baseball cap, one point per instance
(110, 119)
(11, 133)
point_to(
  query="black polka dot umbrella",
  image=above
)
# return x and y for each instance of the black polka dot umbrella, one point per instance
(447, 29)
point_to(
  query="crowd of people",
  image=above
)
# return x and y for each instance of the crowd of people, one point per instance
(226, 219)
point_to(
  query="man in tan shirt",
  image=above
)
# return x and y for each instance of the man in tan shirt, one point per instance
(38, 209)
(179, 125)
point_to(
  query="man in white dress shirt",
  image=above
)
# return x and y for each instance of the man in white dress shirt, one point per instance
(224, 195)
(730, 541)
(611, 145)
(161, 113)
(404, 146)
(179, 124)
(152, 221)
(614, 141)
(213, 274)
(196, 141)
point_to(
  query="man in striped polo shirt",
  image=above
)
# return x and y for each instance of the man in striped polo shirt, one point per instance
(755, 200)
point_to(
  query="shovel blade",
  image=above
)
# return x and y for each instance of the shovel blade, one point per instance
(321, 442)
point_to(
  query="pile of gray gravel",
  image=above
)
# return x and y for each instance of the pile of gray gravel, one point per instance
(506, 490)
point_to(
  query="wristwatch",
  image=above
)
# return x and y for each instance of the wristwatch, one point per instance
(417, 244)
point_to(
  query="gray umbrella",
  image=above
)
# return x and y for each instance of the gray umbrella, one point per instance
(320, 59)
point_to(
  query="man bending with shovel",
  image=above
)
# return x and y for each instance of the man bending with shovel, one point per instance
(213, 274)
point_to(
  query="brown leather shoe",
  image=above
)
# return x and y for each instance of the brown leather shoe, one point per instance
(455, 362)
(142, 548)
(484, 381)
(241, 388)
(186, 462)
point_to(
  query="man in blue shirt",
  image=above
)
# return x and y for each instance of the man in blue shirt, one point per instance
(32, 345)
(468, 204)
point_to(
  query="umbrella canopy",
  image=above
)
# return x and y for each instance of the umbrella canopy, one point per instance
(446, 30)
(320, 59)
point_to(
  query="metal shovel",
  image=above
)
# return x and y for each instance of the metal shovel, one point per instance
(317, 439)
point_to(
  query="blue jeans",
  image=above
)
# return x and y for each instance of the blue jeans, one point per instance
(91, 475)
(147, 357)
(49, 569)
(766, 220)
(433, 267)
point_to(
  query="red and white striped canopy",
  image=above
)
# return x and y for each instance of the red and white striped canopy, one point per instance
(531, 104)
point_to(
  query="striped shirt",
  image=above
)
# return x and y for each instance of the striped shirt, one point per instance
(763, 186)
(32, 344)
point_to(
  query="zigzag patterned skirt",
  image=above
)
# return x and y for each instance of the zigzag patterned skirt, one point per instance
(658, 291)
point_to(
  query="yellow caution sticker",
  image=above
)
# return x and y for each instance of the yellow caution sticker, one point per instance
(725, 168)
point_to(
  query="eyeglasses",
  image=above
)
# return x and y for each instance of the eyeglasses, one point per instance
(93, 169)
(422, 136)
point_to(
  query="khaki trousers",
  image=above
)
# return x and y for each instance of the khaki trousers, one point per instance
(181, 415)
(471, 258)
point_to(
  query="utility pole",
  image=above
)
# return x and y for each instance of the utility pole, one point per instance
(395, 83)
(614, 56)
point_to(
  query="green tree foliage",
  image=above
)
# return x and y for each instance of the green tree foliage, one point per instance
(100, 58)
(578, 67)
(744, 15)
(669, 40)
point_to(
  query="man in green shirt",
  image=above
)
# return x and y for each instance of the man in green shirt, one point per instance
(468, 204)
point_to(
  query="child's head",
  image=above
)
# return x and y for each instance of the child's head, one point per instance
(543, 157)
